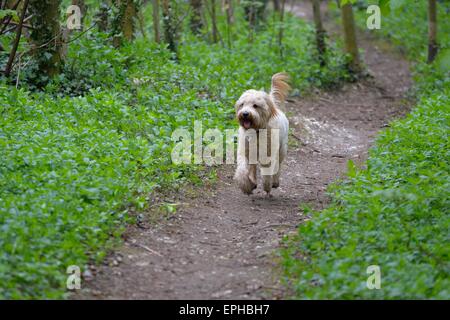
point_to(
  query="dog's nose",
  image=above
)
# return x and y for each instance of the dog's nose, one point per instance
(245, 114)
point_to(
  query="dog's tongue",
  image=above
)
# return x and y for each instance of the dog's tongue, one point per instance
(247, 124)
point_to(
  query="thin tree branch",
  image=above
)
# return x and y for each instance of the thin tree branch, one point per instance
(15, 25)
(16, 40)
(214, 23)
(8, 19)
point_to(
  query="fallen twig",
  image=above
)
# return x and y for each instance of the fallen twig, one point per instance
(148, 249)
(298, 138)
(278, 225)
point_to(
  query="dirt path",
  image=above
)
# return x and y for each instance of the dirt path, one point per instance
(221, 245)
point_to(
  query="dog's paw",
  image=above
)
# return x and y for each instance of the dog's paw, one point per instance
(267, 184)
(245, 184)
(244, 181)
(247, 187)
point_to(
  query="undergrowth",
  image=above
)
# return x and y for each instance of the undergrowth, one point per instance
(395, 213)
(96, 140)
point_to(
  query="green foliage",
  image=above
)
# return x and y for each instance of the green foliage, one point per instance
(9, 13)
(46, 39)
(407, 26)
(395, 213)
(97, 139)
(63, 179)
(247, 64)
(344, 2)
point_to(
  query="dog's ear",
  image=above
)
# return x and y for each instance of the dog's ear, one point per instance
(272, 108)
(237, 106)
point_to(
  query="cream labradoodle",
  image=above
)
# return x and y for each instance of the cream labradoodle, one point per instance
(263, 135)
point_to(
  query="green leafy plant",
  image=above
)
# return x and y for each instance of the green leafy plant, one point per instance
(77, 154)
(395, 213)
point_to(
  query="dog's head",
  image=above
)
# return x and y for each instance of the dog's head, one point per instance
(254, 109)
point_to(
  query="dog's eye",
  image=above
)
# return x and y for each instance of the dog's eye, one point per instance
(255, 106)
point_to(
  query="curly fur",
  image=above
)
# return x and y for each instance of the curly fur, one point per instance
(255, 111)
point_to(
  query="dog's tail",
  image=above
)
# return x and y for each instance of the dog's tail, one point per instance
(280, 88)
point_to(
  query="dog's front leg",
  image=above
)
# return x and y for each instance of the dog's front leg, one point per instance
(245, 174)
(276, 177)
(267, 183)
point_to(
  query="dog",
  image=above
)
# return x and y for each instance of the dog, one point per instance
(263, 135)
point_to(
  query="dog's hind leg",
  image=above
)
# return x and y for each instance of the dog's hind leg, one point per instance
(276, 180)
(276, 176)
(252, 173)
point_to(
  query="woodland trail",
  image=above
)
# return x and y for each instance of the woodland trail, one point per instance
(221, 244)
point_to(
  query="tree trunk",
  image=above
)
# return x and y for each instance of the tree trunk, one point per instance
(196, 16)
(432, 31)
(276, 5)
(281, 31)
(169, 26)
(320, 32)
(123, 21)
(102, 17)
(128, 20)
(214, 21)
(228, 6)
(156, 30)
(351, 46)
(141, 19)
(46, 35)
(254, 11)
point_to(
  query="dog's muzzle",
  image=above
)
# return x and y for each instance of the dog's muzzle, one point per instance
(245, 120)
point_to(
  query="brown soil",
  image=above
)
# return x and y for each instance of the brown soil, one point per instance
(222, 244)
